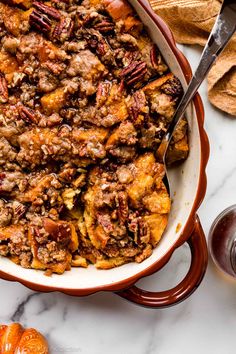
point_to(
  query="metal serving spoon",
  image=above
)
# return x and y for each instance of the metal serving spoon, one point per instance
(223, 30)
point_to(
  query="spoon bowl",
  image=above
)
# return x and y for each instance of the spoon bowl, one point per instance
(222, 31)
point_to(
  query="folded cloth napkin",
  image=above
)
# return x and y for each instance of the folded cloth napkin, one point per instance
(191, 22)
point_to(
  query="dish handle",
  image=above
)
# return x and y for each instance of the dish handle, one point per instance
(199, 258)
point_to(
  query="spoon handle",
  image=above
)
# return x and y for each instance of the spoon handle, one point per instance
(224, 28)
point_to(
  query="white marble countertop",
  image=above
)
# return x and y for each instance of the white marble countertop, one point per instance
(104, 323)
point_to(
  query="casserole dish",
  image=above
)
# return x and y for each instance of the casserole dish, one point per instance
(188, 185)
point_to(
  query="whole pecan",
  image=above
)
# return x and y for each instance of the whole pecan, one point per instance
(40, 21)
(3, 89)
(47, 10)
(134, 73)
(123, 209)
(63, 29)
(27, 114)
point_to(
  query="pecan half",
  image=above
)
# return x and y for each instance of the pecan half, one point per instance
(97, 43)
(47, 10)
(134, 72)
(27, 114)
(138, 106)
(20, 210)
(123, 209)
(172, 87)
(63, 30)
(3, 89)
(157, 61)
(40, 22)
(105, 26)
(154, 56)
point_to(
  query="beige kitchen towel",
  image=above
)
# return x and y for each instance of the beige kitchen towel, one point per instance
(191, 22)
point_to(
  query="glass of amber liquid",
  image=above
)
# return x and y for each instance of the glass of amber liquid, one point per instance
(222, 241)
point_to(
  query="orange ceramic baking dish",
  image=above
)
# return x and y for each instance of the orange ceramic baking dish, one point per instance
(188, 186)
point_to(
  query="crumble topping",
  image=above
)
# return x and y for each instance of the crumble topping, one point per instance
(85, 98)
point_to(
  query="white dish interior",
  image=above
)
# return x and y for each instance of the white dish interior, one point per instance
(184, 184)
